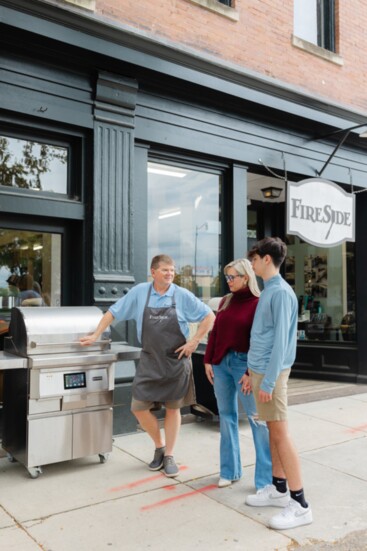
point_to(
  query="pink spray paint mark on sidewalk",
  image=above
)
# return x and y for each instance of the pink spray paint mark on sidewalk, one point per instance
(360, 428)
(177, 498)
(142, 481)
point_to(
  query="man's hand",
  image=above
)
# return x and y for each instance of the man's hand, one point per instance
(102, 326)
(264, 396)
(209, 373)
(245, 383)
(88, 340)
(187, 349)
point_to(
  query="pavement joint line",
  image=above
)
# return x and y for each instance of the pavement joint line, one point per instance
(318, 417)
(21, 527)
(332, 468)
(310, 450)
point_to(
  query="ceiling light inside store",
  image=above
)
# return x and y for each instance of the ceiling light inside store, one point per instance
(37, 246)
(169, 214)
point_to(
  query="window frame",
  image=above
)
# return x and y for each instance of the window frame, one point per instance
(326, 24)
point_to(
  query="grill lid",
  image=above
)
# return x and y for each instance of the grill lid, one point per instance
(45, 330)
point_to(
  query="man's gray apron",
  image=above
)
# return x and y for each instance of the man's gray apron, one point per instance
(160, 375)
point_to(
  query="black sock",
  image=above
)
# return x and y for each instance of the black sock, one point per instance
(300, 497)
(280, 484)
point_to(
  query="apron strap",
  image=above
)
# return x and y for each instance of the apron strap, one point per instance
(148, 295)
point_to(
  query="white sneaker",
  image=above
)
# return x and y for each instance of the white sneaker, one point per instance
(292, 516)
(268, 496)
(223, 482)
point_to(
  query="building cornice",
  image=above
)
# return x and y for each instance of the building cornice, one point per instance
(96, 33)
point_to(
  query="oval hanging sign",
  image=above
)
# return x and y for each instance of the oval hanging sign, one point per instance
(320, 212)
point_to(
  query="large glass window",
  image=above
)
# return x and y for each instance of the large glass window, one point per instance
(184, 221)
(324, 282)
(30, 271)
(26, 164)
(314, 21)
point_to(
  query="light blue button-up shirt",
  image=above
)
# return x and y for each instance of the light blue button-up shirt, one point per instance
(188, 307)
(273, 339)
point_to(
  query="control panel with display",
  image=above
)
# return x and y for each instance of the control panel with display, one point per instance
(75, 380)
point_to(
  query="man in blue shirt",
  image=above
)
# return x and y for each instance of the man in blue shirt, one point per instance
(162, 311)
(270, 358)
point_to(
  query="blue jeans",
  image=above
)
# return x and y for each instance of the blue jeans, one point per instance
(227, 389)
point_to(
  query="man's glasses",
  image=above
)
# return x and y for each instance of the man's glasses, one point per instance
(232, 277)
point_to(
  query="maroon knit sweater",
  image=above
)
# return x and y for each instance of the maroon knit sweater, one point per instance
(232, 327)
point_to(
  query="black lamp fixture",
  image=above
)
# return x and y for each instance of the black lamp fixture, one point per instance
(271, 192)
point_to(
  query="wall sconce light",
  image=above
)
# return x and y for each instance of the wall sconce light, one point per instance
(271, 192)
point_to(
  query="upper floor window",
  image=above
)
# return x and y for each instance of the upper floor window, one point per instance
(314, 21)
(226, 2)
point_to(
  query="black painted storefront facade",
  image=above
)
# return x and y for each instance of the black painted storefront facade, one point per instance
(117, 100)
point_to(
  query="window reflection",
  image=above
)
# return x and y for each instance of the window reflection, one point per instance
(30, 271)
(26, 164)
(184, 222)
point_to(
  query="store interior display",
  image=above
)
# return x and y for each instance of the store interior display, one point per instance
(323, 280)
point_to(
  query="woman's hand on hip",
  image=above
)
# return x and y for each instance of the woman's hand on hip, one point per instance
(209, 373)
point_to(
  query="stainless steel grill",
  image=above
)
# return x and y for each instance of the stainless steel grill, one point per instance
(58, 395)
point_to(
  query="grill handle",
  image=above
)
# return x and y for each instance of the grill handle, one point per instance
(33, 344)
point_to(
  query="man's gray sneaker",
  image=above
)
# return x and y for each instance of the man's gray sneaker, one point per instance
(169, 466)
(157, 462)
(268, 496)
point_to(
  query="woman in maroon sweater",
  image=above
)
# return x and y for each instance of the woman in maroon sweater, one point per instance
(225, 366)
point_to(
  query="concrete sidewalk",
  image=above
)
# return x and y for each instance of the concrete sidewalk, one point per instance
(84, 505)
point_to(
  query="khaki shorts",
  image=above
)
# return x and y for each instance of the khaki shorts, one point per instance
(276, 409)
(188, 400)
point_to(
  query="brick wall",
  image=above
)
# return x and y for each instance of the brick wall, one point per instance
(261, 40)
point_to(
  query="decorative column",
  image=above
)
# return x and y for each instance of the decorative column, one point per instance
(114, 111)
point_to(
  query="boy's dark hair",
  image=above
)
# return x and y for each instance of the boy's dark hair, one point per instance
(273, 246)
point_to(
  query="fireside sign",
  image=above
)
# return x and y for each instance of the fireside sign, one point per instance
(320, 212)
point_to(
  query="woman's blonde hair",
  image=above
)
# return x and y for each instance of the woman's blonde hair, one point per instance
(242, 267)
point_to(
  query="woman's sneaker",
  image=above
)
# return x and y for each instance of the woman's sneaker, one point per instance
(157, 462)
(292, 516)
(268, 497)
(223, 482)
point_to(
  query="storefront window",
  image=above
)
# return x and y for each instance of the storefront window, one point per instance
(30, 271)
(26, 164)
(184, 221)
(324, 282)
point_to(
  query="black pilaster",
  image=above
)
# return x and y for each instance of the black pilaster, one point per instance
(113, 244)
